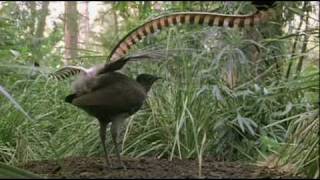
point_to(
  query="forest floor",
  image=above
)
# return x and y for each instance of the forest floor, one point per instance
(146, 167)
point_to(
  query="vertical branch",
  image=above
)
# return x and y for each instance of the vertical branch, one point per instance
(293, 52)
(304, 46)
(116, 23)
(87, 23)
(84, 26)
(42, 19)
(32, 6)
(38, 29)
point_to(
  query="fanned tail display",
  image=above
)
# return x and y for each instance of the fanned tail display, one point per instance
(118, 56)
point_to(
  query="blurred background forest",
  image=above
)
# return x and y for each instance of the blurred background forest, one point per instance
(249, 95)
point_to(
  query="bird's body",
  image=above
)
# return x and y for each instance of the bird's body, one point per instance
(112, 98)
(86, 80)
(111, 93)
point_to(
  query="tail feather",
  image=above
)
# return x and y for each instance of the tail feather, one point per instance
(66, 72)
(173, 19)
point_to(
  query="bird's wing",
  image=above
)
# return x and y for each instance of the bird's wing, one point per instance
(67, 71)
(155, 55)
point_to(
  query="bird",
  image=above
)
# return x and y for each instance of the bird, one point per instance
(109, 96)
(112, 98)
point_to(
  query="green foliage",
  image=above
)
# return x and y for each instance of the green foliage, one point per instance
(13, 172)
(18, 43)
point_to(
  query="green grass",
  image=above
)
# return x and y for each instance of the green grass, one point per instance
(13, 172)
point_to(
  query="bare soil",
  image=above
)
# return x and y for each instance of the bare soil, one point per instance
(146, 167)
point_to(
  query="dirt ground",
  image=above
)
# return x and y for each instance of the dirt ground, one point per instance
(146, 167)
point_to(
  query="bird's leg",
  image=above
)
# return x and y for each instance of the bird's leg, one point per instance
(115, 131)
(103, 129)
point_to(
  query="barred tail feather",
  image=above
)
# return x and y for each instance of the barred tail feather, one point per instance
(67, 72)
(173, 19)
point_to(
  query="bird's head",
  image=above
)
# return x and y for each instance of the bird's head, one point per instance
(146, 80)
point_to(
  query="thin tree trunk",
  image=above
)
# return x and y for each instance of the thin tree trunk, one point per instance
(87, 23)
(116, 23)
(85, 26)
(304, 47)
(38, 29)
(42, 19)
(293, 52)
(70, 30)
(32, 6)
(32, 25)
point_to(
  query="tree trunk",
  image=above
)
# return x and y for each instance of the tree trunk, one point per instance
(70, 30)
(116, 24)
(304, 47)
(32, 6)
(294, 47)
(38, 29)
(84, 25)
(42, 19)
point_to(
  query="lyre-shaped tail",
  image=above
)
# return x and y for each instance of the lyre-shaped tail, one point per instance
(118, 56)
(173, 19)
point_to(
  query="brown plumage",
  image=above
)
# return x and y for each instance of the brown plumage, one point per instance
(112, 98)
